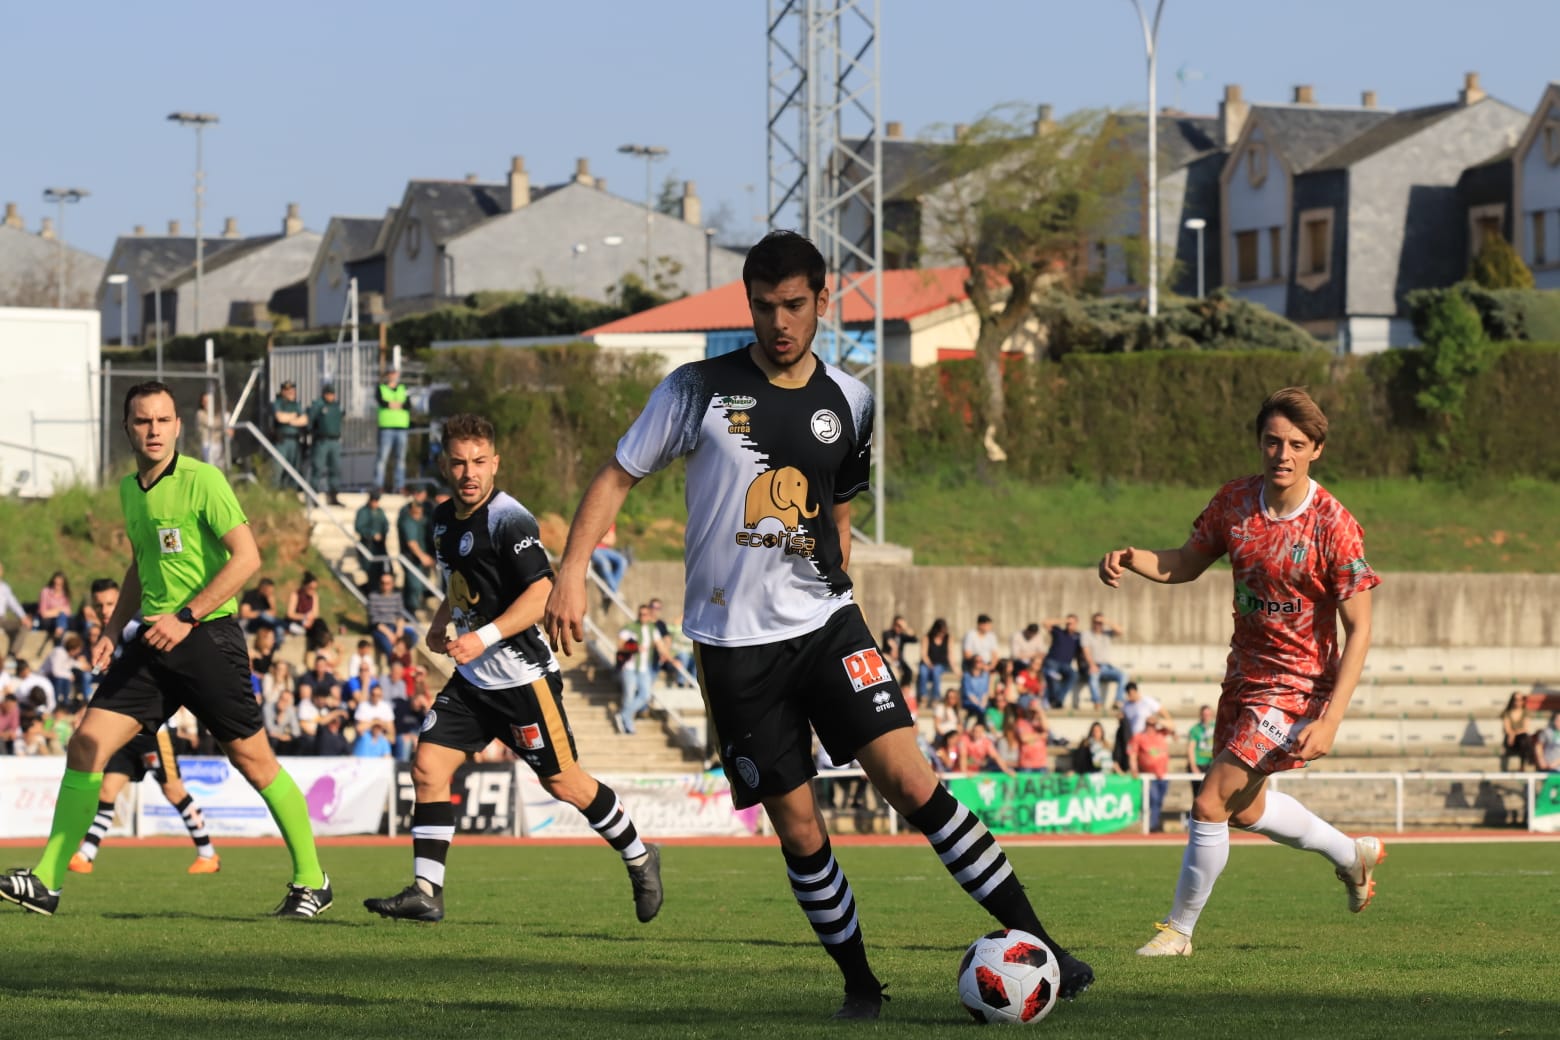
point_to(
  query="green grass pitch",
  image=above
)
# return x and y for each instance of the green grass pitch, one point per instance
(1462, 941)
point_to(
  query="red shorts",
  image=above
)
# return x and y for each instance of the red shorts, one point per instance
(1259, 723)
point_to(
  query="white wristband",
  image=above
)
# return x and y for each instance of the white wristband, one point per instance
(489, 634)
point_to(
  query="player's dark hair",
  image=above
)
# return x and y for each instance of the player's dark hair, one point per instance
(1294, 404)
(784, 254)
(103, 585)
(148, 389)
(468, 427)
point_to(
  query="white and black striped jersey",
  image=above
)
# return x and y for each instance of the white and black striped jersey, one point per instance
(766, 466)
(489, 559)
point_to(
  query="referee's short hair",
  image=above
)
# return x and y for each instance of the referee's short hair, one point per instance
(148, 389)
(468, 427)
(784, 254)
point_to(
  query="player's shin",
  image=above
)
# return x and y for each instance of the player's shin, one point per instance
(824, 895)
(73, 811)
(609, 818)
(97, 831)
(433, 828)
(1287, 822)
(291, 814)
(1207, 851)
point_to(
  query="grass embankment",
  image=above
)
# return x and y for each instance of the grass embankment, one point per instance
(82, 533)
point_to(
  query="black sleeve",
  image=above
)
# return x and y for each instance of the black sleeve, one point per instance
(521, 559)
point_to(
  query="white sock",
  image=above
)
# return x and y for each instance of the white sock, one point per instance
(1207, 851)
(1288, 822)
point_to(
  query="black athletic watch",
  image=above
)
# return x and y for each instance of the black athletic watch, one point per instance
(187, 616)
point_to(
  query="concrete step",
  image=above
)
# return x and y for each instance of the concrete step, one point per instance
(1385, 664)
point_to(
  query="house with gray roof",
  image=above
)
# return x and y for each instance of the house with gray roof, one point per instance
(351, 247)
(1331, 215)
(248, 282)
(30, 266)
(150, 262)
(1535, 206)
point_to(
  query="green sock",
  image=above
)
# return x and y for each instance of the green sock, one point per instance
(73, 812)
(291, 814)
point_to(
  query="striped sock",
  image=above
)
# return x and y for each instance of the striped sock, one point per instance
(100, 825)
(195, 823)
(433, 828)
(977, 862)
(608, 818)
(824, 895)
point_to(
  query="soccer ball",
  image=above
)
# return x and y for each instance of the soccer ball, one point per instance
(1009, 977)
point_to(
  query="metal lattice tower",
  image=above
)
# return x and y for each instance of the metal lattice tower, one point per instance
(825, 169)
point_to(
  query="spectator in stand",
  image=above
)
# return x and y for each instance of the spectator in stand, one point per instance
(329, 741)
(978, 753)
(896, 637)
(325, 423)
(947, 714)
(13, 617)
(303, 613)
(607, 561)
(1516, 741)
(409, 715)
(60, 668)
(997, 705)
(318, 680)
(33, 691)
(363, 653)
(975, 688)
(34, 739)
(411, 526)
(257, 610)
(639, 645)
(981, 641)
(935, 663)
(1030, 733)
(373, 742)
(1199, 746)
(1093, 753)
(394, 682)
(1027, 647)
(945, 752)
(277, 681)
(282, 725)
(374, 709)
(395, 419)
(10, 723)
(1546, 748)
(308, 723)
(262, 652)
(357, 690)
(682, 652)
(1059, 666)
(373, 531)
(1137, 709)
(60, 725)
(666, 665)
(387, 615)
(54, 605)
(1097, 655)
(1149, 752)
(405, 654)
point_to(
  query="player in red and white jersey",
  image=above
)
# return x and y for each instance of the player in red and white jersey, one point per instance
(1299, 566)
(777, 443)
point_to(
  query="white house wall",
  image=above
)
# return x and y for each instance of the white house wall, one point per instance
(411, 262)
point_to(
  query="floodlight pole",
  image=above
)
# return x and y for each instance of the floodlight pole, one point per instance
(199, 120)
(649, 153)
(62, 196)
(1151, 49)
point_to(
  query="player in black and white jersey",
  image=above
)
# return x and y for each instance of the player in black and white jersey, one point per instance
(777, 444)
(506, 684)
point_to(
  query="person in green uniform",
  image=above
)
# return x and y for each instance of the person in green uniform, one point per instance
(411, 525)
(290, 422)
(395, 419)
(373, 529)
(193, 551)
(1199, 746)
(325, 418)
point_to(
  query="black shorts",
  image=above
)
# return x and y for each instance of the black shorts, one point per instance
(208, 673)
(146, 753)
(530, 720)
(762, 700)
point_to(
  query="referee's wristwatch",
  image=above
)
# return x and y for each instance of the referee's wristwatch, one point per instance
(187, 616)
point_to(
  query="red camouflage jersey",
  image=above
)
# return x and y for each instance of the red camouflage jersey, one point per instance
(1290, 575)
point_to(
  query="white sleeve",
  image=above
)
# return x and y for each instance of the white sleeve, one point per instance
(668, 428)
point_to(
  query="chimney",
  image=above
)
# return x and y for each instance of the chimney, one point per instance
(13, 216)
(230, 228)
(138, 230)
(1471, 91)
(471, 178)
(519, 184)
(1305, 94)
(1043, 119)
(1233, 111)
(601, 184)
(582, 173)
(173, 229)
(1368, 99)
(960, 131)
(46, 229)
(692, 210)
(893, 130)
(292, 223)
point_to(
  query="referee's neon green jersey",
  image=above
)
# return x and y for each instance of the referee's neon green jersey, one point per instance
(176, 528)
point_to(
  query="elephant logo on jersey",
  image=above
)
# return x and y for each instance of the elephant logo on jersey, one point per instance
(779, 493)
(461, 596)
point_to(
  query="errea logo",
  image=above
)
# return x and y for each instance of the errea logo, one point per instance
(882, 700)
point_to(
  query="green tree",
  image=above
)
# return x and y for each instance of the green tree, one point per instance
(1019, 205)
(1499, 267)
(1455, 352)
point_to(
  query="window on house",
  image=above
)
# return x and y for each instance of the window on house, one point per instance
(1256, 163)
(1275, 252)
(1315, 247)
(1484, 227)
(1540, 239)
(1552, 142)
(1245, 256)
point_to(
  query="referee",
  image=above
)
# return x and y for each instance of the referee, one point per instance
(193, 552)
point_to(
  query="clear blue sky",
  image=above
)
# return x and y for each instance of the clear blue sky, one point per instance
(335, 104)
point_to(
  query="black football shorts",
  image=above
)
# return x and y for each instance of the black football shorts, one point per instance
(529, 719)
(146, 753)
(208, 673)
